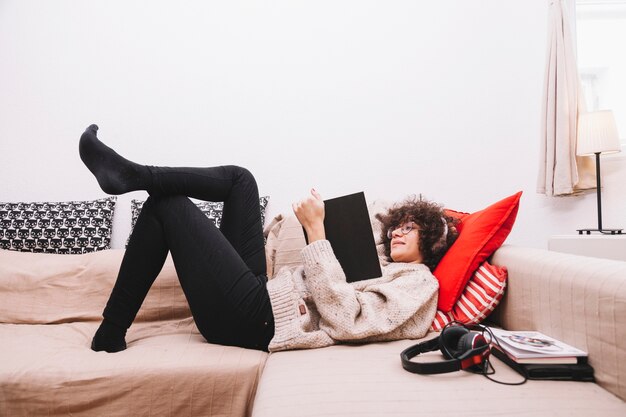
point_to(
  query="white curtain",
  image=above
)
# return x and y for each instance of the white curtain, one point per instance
(559, 171)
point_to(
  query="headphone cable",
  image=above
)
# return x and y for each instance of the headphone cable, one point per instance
(485, 369)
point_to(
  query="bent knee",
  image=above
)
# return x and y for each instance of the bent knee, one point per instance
(242, 174)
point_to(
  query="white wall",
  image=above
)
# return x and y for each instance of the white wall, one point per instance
(393, 98)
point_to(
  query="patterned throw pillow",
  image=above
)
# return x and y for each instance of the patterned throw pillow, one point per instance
(71, 227)
(213, 210)
(480, 297)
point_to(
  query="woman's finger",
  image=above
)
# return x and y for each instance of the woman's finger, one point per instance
(316, 194)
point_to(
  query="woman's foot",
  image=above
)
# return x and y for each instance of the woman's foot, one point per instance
(115, 174)
(109, 338)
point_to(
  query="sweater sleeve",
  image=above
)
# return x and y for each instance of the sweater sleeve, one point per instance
(350, 314)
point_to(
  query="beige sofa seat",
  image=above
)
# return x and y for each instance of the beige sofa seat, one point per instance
(50, 307)
(167, 370)
(369, 380)
(576, 299)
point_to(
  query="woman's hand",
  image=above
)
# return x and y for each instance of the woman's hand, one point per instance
(310, 214)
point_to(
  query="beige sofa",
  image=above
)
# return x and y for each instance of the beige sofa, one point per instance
(50, 306)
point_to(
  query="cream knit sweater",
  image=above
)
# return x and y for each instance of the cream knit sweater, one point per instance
(314, 306)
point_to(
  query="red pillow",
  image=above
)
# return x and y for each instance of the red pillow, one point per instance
(480, 234)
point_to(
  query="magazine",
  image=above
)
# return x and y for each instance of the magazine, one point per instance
(535, 347)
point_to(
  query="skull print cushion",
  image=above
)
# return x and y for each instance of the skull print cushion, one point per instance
(71, 227)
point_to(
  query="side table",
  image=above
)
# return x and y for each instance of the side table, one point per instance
(598, 246)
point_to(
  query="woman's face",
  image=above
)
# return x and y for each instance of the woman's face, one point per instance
(405, 243)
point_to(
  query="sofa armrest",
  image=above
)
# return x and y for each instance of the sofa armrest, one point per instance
(577, 299)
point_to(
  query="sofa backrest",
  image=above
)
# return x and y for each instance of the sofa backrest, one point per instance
(576, 299)
(39, 288)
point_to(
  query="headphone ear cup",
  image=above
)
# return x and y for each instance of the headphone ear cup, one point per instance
(471, 341)
(465, 343)
(450, 341)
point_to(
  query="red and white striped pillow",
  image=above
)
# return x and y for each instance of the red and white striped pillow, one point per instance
(480, 297)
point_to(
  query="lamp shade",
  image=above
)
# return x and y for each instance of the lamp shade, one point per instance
(597, 132)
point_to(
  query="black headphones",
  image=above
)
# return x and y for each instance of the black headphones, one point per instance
(461, 346)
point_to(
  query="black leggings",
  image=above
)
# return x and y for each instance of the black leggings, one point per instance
(221, 271)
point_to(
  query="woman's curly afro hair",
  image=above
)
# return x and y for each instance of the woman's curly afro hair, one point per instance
(430, 218)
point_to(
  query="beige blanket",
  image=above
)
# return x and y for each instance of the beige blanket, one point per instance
(50, 306)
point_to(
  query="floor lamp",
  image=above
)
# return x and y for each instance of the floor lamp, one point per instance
(597, 133)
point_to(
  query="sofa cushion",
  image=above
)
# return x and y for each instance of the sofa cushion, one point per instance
(482, 294)
(368, 380)
(285, 240)
(46, 288)
(69, 227)
(480, 234)
(168, 369)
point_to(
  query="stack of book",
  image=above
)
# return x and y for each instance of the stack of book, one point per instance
(535, 347)
(538, 356)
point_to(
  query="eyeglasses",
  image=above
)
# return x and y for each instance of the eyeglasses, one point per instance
(405, 229)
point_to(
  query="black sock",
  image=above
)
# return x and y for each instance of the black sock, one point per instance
(109, 338)
(115, 174)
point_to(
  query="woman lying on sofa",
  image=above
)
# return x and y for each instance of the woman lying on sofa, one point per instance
(223, 271)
